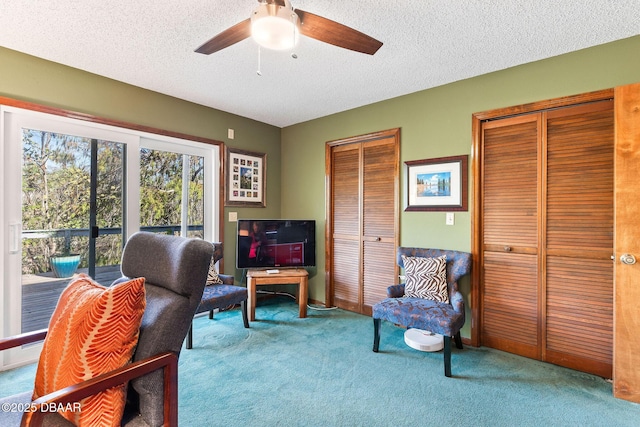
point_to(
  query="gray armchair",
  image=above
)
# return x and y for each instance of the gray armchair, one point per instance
(175, 269)
(221, 295)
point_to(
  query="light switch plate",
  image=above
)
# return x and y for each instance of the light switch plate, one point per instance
(233, 216)
(450, 218)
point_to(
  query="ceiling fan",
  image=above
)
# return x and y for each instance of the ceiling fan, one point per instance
(275, 24)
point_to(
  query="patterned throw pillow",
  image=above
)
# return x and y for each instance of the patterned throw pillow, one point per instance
(426, 278)
(212, 277)
(93, 330)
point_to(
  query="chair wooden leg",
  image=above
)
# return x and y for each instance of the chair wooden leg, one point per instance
(245, 317)
(447, 356)
(190, 337)
(458, 340)
(376, 334)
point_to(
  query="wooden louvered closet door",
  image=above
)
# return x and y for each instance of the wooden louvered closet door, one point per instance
(345, 259)
(579, 238)
(379, 209)
(547, 233)
(363, 219)
(510, 245)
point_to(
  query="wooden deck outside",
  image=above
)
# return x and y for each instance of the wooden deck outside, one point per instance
(40, 294)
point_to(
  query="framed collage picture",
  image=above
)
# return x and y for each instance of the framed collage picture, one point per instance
(246, 178)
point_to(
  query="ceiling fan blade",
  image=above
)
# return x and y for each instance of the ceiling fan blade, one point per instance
(328, 31)
(238, 32)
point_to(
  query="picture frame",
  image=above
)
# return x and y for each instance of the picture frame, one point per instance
(245, 178)
(438, 184)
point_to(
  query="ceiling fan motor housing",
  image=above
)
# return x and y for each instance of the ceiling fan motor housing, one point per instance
(274, 25)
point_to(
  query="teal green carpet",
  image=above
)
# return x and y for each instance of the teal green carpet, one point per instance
(320, 371)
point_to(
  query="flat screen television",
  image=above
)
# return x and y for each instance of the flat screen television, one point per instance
(275, 243)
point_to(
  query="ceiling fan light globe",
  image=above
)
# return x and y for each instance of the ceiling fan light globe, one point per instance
(274, 33)
(274, 27)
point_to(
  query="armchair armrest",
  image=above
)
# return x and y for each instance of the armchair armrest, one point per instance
(227, 279)
(22, 339)
(168, 361)
(457, 301)
(395, 291)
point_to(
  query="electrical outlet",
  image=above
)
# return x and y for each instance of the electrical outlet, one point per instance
(449, 218)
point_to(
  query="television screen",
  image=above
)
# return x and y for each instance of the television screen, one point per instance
(275, 243)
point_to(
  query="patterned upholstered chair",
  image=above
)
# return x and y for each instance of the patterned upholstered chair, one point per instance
(441, 318)
(220, 295)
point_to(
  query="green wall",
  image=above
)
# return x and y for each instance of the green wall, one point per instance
(28, 78)
(436, 123)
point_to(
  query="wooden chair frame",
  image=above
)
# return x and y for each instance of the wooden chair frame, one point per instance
(166, 361)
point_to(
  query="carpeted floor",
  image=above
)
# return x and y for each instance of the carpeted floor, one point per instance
(320, 371)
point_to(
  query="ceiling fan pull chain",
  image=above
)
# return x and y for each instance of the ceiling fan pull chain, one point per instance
(259, 72)
(294, 18)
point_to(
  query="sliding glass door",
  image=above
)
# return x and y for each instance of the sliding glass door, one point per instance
(72, 193)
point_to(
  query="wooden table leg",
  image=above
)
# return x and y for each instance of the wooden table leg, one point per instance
(303, 291)
(251, 290)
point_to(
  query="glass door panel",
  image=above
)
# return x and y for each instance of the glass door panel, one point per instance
(68, 194)
(110, 210)
(195, 205)
(171, 192)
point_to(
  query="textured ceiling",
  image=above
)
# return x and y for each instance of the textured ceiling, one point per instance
(427, 43)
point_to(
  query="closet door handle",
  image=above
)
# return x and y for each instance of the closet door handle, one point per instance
(627, 259)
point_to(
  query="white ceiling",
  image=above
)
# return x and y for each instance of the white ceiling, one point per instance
(427, 43)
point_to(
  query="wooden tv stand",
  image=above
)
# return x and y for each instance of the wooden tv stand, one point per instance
(283, 277)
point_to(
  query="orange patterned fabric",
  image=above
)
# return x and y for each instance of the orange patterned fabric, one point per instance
(93, 330)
